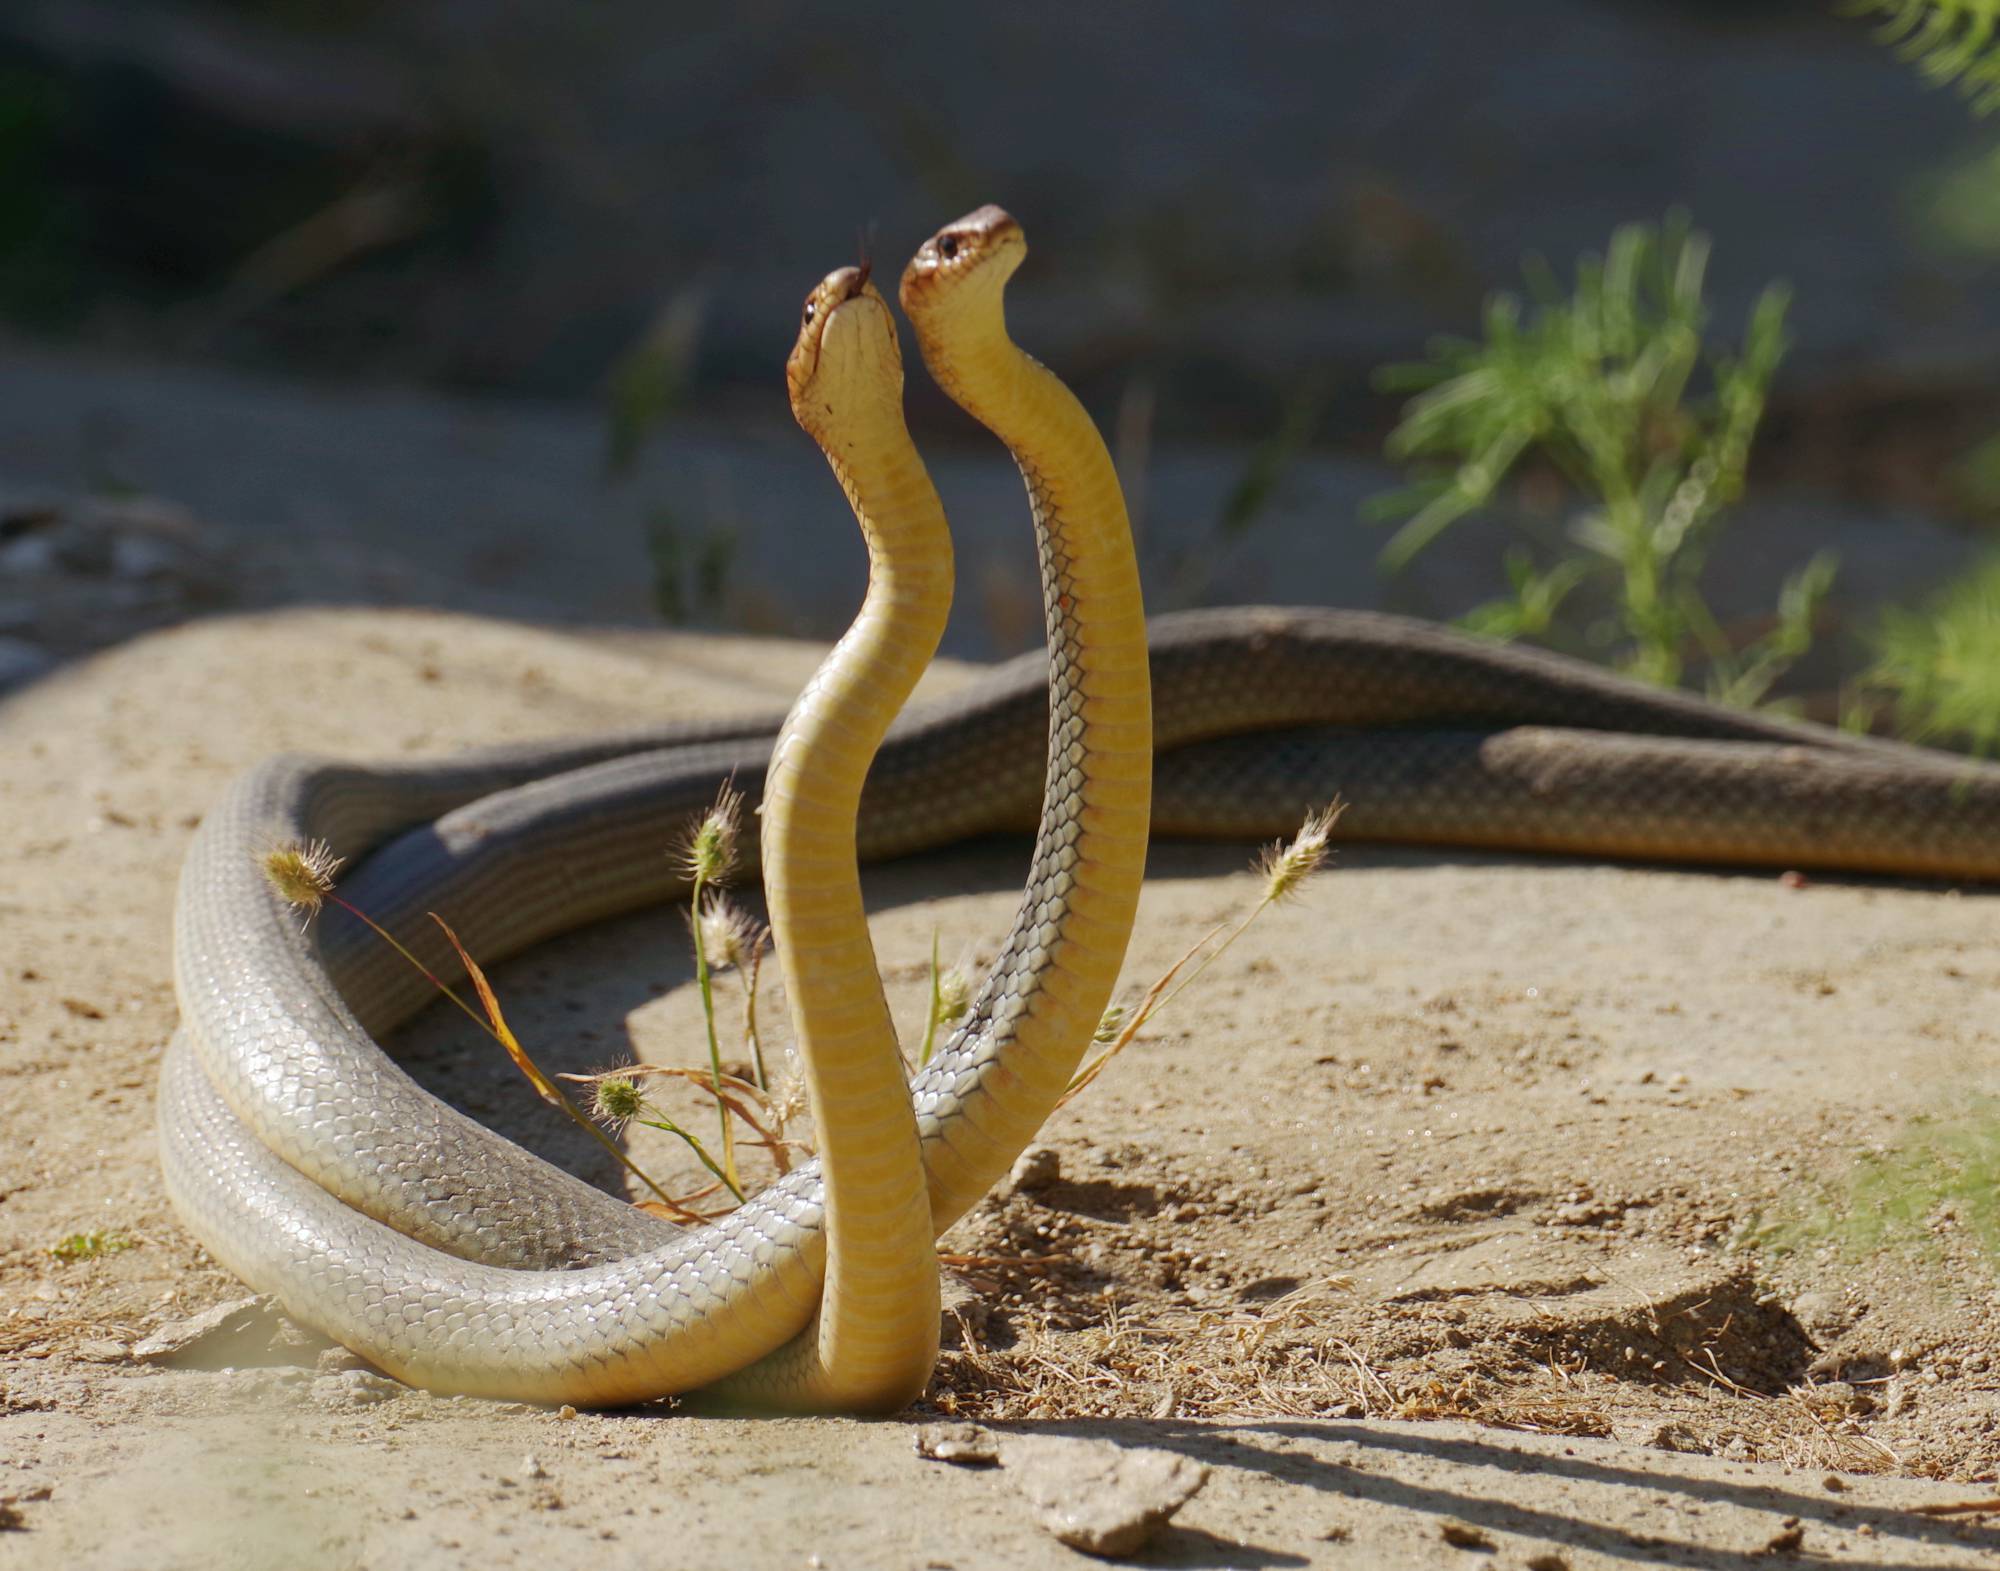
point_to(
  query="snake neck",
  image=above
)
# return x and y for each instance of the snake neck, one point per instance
(1048, 990)
(879, 1335)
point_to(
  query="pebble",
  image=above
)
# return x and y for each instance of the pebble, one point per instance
(1038, 1167)
(354, 1388)
(966, 1444)
(177, 1338)
(1101, 1498)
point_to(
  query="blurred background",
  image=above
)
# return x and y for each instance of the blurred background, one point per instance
(484, 304)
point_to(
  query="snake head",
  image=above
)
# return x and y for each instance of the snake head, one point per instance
(985, 246)
(846, 350)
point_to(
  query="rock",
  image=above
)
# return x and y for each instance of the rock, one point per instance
(1038, 1167)
(338, 1361)
(355, 1388)
(103, 1350)
(1822, 1314)
(964, 1315)
(1664, 1435)
(1098, 1497)
(966, 1444)
(1788, 1540)
(185, 1339)
(1463, 1535)
(531, 1467)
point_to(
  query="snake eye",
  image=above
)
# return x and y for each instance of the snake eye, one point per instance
(948, 246)
(811, 307)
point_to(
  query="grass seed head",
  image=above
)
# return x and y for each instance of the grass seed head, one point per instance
(730, 936)
(616, 1100)
(1108, 1024)
(1286, 867)
(954, 995)
(710, 851)
(302, 873)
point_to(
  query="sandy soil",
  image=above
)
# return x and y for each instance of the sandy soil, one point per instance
(1468, 1198)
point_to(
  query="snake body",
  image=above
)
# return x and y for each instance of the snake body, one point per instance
(310, 1165)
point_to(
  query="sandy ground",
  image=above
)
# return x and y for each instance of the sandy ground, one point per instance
(1472, 1211)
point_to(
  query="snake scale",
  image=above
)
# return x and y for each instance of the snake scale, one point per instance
(316, 1169)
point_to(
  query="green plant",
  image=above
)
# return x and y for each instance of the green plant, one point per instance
(90, 1245)
(1939, 667)
(1948, 41)
(1613, 385)
(1942, 1171)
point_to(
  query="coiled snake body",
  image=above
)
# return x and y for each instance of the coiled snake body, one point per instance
(315, 1169)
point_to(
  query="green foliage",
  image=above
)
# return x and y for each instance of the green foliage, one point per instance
(1940, 1169)
(1955, 210)
(90, 1245)
(1940, 666)
(1947, 40)
(1614, 386)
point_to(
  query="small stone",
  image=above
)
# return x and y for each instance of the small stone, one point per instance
(103, 1350)
(565, 1411)
(531, 1467)
(1833, 1482)
(180, 1339)
(295, 1342)
(1463, 1535)
(1822, 1314)
(338, 1361)
(1547, 1560)
(1788, 1540)
(1665, 1435)
(1098, 1497)
(1038, 1167)
(964, 1315)
(966, 1444)
(354, 1388)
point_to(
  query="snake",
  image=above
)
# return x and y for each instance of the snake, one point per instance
(314, 1168)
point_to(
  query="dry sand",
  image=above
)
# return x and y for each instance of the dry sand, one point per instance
(1469, 1199)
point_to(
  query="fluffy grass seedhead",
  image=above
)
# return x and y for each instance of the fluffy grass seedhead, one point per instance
(302, 872)
(1285, 868)
(730, 936)
(615, 1100)
(709, 853)
(954, 995)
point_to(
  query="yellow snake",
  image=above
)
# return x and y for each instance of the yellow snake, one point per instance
(430, 1247)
